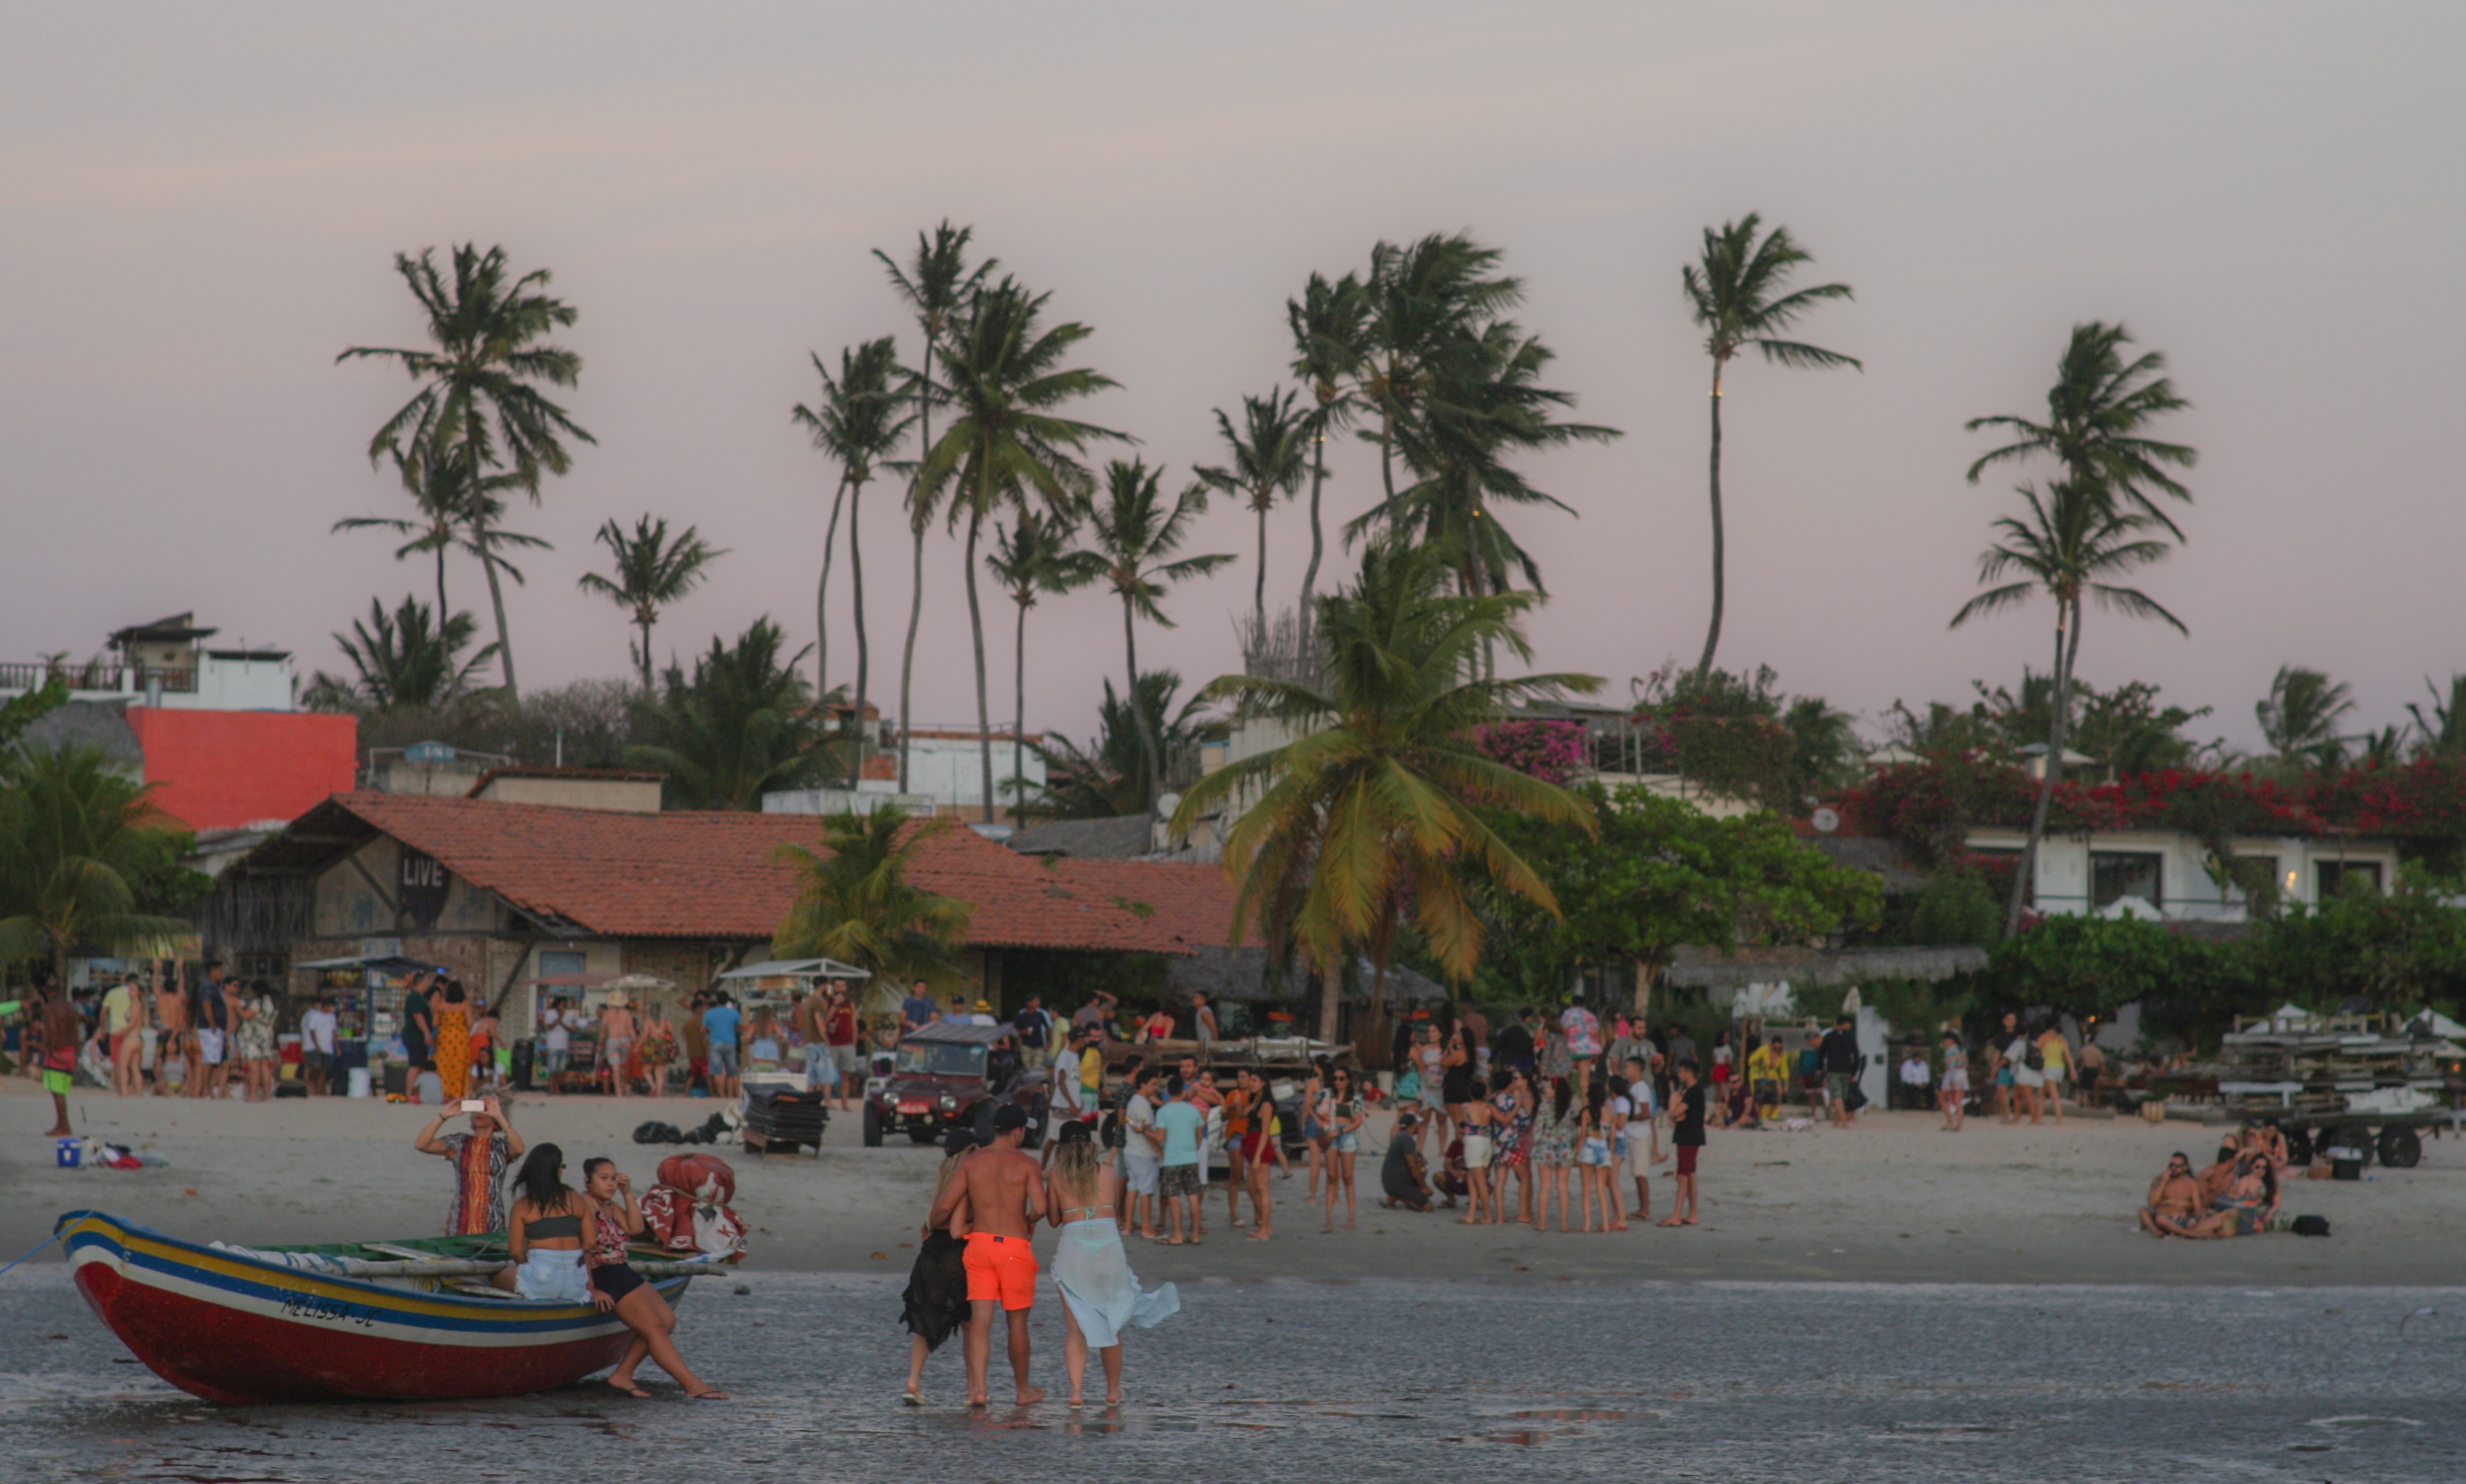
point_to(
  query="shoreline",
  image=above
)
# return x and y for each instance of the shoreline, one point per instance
(1889, 1201)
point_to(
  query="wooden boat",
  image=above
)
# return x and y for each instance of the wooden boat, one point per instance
(409, 1320)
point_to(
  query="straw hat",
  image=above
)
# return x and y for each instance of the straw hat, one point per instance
(618, 999)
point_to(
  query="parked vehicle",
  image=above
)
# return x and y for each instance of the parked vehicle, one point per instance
(949, 1076)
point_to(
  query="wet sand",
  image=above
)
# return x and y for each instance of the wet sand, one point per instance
(1890, 1201)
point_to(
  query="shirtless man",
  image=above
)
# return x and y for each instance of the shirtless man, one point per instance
(171, 1013)
(1004, 1190)
(2174, 1201)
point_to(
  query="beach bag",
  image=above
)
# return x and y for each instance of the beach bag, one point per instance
(2310, 1226)
(2034, 1058)
(1855, 1098)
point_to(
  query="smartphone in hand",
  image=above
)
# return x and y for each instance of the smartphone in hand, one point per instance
(474, 1105)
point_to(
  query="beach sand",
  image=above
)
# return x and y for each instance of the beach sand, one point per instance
(1890, 1201)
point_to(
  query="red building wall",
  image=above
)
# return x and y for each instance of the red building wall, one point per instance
(219, 770)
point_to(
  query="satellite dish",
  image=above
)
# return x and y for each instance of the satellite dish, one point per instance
(1825, 819)
(1168, 805)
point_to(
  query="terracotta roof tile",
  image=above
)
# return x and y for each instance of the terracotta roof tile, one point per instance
(691, 874)
(1192, 902)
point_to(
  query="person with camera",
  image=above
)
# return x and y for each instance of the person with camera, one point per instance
(479, 1159)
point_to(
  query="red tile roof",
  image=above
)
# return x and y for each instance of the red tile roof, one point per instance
(221, 770)
(1193, 903)
(691, 874)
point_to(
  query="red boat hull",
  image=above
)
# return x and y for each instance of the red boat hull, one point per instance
(234, 1329)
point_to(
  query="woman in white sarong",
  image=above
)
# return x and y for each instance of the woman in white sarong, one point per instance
(1100, 1295)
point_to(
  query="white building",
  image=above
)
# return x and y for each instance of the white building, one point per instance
(2165, 874)
(167, 664)
(945, 775)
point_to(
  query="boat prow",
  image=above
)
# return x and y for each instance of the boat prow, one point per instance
(233, 1327)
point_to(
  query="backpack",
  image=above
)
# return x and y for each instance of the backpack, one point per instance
(2035, 1059)
(2310, 1226)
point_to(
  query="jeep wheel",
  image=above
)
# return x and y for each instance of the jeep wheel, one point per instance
(872, 1127)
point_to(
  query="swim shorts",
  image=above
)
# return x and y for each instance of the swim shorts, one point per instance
(1000, 1269)
(1176, 1181)
(1687, 1154)
(57, 1082)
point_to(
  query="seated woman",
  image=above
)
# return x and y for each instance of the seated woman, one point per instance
(552, 1226)
(2245, 1208)
(616, 1285)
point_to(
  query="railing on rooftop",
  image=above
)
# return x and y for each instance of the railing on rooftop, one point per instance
(96, 675)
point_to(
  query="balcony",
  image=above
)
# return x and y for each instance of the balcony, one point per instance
(97, 678)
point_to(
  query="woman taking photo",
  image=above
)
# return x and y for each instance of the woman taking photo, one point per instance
(1100, 1294)
(1341, 1115)
(552, 1226)
(616, 1285)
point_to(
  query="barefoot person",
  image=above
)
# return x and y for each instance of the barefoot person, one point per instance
(617, 1286)
(935, 1304)
(1686, 1133)
(56, 1021)
(1100, 1294)
(1004, 1191)
(1953, 1091)
(2174, 1201)
(1343, 1117)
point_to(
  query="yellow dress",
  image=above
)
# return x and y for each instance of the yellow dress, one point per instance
(454, 1050)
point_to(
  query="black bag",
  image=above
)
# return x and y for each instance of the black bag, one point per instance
(2035, 1059)
(658, 1133)
(2310, 1226)
(1855, 1098)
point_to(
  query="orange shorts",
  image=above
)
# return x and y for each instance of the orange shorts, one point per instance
(1000, 1270)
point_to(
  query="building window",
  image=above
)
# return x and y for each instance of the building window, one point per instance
(2333, 877)
(2116, 874)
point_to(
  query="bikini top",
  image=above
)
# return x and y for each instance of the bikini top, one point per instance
(550, 1228)
(1087, 1213)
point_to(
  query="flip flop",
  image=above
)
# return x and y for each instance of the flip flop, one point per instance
(715, 1395)
(636, 1392)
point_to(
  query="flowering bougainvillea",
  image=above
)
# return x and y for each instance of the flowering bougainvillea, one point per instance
(1551, 750)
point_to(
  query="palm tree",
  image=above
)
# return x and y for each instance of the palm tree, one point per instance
(402, 663)
(1110, 777)
(1375, 810)
(479, 387)
(2095, 411)
(2443, 733)
(855, 902)
(1735, 291)
(72, 841)
(1331, 338)
(742, 725)
(1268, 465)
(860, 422)
(2070, 545)
(1134, 535)
(1006, 438)
(1032, 558)
(653, 571)
(2299, 717)
(935, 283)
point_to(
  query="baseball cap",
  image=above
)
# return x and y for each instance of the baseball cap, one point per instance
(957, 1141)
(1009, 1116)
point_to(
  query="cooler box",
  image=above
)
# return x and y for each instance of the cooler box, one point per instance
(779, 1117)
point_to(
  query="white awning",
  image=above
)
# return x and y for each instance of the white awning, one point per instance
(799, 968)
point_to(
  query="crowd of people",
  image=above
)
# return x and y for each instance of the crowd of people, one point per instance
(2237, 1195)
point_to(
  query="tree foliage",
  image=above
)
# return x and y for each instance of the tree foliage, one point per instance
(855, 902)
(80, 865)
(402, 662)
(744, 725)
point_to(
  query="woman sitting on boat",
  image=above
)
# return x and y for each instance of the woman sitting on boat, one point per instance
(480, 1159)
(616, 1285)
(553, 1225)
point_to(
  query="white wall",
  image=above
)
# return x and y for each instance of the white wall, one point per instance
(2187, 894)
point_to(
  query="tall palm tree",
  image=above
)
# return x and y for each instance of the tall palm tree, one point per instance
(934, 285)
(1375, 810)
(2097, 414)
(1735, 291)
(2072, 544)
(856, 904)
(1031, 558)
(2301, 715)
(2442, 733)
(403, 664)
(1006, 437)
(71, 841)
(439, 525)
(1110, 777)
(1420, 302)
(742, 725)
(1329, 329)
(860, 422)
(480, 386)
(1267, 459)
(1133, 533)
(653, 571)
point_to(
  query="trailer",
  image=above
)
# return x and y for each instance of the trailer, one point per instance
(2353, 1088)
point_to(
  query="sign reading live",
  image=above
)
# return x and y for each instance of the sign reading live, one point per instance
(422, 886)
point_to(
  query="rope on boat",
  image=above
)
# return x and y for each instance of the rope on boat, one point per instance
(471, 1267)
(39, 1246)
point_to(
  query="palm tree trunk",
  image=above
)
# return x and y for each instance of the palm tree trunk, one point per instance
(1259, 583)
(497, 599)
(2027, 866)
(1139, 708)
(1713, 636)
(440, 596)
(863, 651)
(1331, 1000)
(645, 626)
(976, 630)
(1318, 538)
(821, 606)
(916, 520)
(1018, 707)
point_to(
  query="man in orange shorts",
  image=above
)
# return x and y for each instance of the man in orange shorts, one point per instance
(1004, 1191)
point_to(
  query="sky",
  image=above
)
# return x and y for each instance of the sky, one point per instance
(202, 205)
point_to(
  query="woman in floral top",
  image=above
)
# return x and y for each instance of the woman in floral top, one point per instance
(1553, 1150)
(253, 1040)
(1515, 1106)
(616, 1285)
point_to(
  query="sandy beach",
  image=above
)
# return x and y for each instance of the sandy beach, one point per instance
(1892, 1200)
